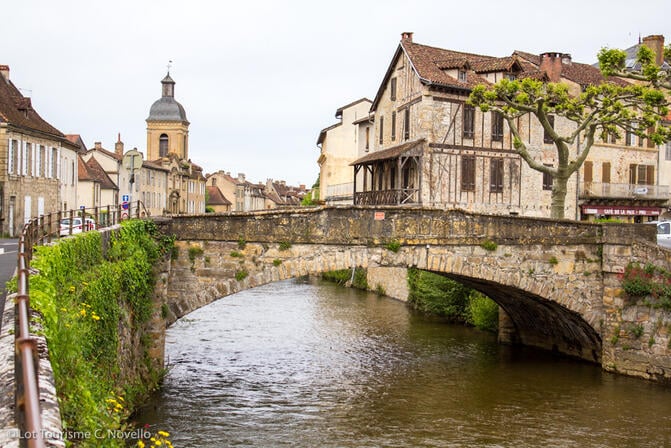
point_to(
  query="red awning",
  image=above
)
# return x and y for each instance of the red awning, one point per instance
(621, 210)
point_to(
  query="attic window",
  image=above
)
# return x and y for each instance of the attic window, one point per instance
(462, 75)
(511, 76)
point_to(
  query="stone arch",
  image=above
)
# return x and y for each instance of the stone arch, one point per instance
(544, 314)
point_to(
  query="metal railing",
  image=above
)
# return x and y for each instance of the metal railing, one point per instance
(623, 191)
(39, 231)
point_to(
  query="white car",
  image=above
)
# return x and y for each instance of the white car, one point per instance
(89, 224)
(664, 233)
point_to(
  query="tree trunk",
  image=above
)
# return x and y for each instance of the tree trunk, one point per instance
(559, 186)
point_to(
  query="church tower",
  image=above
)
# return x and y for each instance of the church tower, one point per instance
(167, 126)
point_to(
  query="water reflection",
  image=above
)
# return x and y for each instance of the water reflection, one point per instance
(305, 363)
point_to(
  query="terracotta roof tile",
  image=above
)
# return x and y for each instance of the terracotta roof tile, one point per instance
(100, 175)
(216, 197)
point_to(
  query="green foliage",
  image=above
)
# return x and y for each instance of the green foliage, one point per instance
(612, 62)
(342, 276)
(209, 209)
(285, 245)
(236, 254)
(489, 245)
(435, 294)
(277, 262)
(380, 291)
(195, 251)
(648, 281)
(83, 299)
(241, 275)
(393, 246)
(241, 243)
(483, 312)
(637, 330)
(553, 260)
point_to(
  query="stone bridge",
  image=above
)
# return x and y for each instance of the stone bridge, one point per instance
(557, 283)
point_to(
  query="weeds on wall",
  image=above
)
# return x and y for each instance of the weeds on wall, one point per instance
(84, 300)
(650, 282)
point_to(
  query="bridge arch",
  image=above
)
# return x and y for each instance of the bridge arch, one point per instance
(541, 306)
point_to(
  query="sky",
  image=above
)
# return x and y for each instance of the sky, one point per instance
(259, 79)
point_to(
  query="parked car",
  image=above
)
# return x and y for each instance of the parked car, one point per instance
(664, 233)
(89, 224)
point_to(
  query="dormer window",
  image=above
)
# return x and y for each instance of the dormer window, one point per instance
(462, 75)
(511, 76)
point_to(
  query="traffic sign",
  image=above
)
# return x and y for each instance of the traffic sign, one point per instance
(125, 198)
(124, 205)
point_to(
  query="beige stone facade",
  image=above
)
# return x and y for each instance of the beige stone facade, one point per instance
(341, 144)
(431, 148)
(31, 153)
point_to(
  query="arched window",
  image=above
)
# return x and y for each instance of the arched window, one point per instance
(163, 146)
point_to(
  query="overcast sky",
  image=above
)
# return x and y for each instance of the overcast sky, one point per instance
(259, 78)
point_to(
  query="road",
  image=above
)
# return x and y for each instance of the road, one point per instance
(8, 260)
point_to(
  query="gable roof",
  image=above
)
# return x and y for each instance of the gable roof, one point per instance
(17, 110)
(216, 197)
(99, 175)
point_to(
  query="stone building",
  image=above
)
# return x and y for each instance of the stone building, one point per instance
(341, 144)
(217, 201)
(168, 147)
(31, 156)
(433, 149)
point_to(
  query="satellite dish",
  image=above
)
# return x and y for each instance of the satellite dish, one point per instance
(132, 160)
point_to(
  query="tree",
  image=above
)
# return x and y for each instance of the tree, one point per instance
(599, 110)
(612, 63)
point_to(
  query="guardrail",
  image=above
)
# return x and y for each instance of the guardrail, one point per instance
(39, 231)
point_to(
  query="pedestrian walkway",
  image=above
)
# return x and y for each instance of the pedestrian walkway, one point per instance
(8, 261)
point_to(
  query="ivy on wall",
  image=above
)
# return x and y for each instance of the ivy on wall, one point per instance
(89, 305)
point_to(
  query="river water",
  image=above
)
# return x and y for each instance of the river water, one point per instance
(305, 363)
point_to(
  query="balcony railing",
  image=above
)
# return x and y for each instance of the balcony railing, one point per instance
(387, 197)
(593, 190)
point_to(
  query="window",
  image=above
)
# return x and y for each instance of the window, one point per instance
(462, 75)
(13, 157)
(511, 76)
(469, 120)
(26, 159)
(587, 171)
(605, 173)
(393, 126)
(381, 129)
(54, 163)
(496, 176)
(641, 174)
(468, 173)
(547, 138)
(163, 146)
(367, 139)
(497, 126)
(667, 154)
(406, 124)
(547, 180)
(629, 137)
(392, 88)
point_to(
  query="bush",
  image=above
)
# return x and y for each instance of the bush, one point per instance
(435, 294)
(483, 312)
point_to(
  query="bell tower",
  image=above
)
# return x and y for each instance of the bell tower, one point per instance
(167, 126)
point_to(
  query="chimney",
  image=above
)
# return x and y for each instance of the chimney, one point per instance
(551, 64)
(656, 44)
(4, 71)
(98, 145)
(407, 35)
(118, 146)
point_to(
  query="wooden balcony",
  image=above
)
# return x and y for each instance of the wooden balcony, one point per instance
(400, 196)
(599, 190)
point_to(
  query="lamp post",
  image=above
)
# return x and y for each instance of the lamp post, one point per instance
(132, 161)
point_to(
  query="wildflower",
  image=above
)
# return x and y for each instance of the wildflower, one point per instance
(71, 289)
(140, 444)
(65, 310)
(164, 434)
(83, 312)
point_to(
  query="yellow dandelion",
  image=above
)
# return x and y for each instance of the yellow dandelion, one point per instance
(83, 312)
(164, 434)
(72, 289)
(140, 444)
(95, 317)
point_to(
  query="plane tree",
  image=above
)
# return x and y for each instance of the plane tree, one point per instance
(597, 111)
(612, 62)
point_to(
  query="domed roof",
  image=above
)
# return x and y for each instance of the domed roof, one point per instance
(167, 108)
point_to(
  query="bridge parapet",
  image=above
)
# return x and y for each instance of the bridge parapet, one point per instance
(407, 225)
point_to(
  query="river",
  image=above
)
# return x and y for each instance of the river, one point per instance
(305, 363)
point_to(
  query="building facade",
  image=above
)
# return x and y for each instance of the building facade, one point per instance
(432, 148)
(31, 156)
(340, 145)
